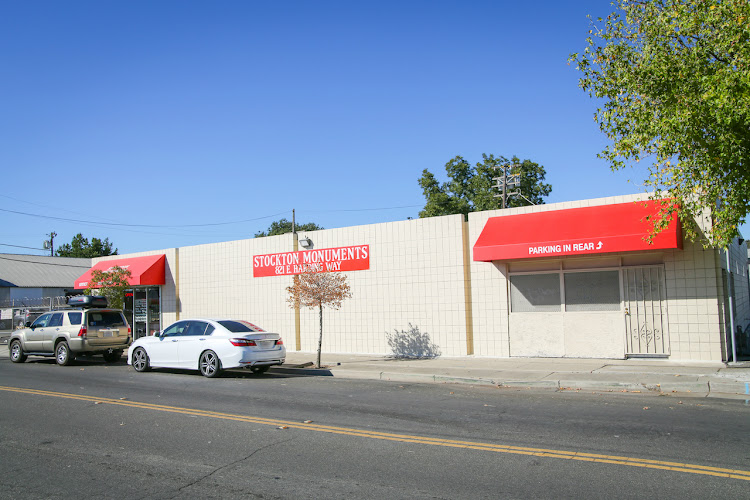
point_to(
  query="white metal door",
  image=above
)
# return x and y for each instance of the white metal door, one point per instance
(645, 296)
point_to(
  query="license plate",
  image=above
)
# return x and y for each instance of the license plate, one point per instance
(267, 344)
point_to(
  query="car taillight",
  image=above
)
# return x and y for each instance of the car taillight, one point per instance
(243, 342)
(82, 332)
(129, 332)
(279, 342)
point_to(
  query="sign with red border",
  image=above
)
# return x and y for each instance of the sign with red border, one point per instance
(325, 260)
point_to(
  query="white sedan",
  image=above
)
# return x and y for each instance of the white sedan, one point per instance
(209, 346)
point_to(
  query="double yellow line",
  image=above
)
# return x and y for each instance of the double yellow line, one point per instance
(406, 438)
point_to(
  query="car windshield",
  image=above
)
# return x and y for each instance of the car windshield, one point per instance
(240, 326)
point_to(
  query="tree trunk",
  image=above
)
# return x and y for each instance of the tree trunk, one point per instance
(320, 339)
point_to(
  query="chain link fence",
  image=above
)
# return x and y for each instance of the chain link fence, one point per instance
(15, 313)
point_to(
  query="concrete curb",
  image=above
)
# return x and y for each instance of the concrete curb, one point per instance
(685, 387)
(530, 384)
(736, 388)
(310, 372)
(414, 378)
(718, 389)
(448, 379)
(598, 385)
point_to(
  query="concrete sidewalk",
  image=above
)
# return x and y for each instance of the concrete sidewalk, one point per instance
(631, 375)
(602, 375)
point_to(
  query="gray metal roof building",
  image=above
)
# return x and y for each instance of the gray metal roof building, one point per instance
(33, 271)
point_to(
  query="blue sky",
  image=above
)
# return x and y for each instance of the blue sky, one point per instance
(163, 124)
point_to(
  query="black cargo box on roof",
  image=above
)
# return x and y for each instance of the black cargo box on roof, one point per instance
(87, 301)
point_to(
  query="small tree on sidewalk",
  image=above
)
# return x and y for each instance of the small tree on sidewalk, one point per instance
(317, 289)
(111, 284)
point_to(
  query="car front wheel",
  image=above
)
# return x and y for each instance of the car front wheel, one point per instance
(16, 352)
(140, 360)
(63, 356)
(209, 364)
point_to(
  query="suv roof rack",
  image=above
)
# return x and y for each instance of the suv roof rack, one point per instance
(88, 301)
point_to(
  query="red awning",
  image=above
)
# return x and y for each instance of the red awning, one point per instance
(576, 231)
(147, 270)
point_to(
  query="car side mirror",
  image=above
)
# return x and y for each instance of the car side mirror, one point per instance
(28, 324)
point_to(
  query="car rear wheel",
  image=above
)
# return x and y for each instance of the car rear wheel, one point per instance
(63, 356)
(259, 369)
(140, 360)
(112, 355)
(16, 352)
(209, 364)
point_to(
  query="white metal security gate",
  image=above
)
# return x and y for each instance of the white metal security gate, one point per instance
(645, 296)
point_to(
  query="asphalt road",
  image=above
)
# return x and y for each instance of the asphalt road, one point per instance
(103, 431)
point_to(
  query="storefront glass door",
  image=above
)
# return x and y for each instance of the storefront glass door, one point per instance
(140, 311)
(143, 310)
(154, 309)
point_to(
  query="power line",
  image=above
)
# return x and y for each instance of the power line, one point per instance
(123, 225)
(59, 209)
(36, 263)
(365, 209)
(139, 225)
(18, 246)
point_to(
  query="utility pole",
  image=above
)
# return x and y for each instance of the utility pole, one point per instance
(52, 243)
(294, 223)
(507, 180)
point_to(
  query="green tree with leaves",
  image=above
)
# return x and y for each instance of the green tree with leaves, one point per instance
(111, 284)
(284, 226)
(673, 77)
(80, 247)
(469, 189)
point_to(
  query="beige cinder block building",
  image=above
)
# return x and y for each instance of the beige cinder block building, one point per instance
(570, 279)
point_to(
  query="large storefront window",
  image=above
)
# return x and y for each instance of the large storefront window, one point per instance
(143, 310)
(592, 291)
(584, 291)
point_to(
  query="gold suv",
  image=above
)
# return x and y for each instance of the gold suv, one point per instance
(90, 329)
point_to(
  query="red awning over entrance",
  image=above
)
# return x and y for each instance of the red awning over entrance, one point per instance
(147, 270)
(576, 231)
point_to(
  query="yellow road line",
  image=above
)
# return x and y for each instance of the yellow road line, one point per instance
(405, 438)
